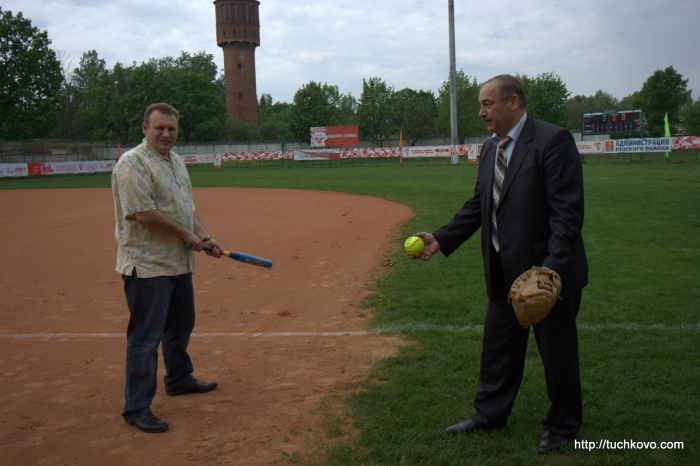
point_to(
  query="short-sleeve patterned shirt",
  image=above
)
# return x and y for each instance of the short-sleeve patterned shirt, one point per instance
(145, 180)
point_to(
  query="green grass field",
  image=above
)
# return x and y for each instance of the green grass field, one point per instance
(639, 323)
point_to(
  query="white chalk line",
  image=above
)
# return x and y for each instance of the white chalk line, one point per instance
(388, 329)
(229, 334)
(580, 326)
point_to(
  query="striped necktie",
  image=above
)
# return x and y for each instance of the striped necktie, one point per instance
(498, 176)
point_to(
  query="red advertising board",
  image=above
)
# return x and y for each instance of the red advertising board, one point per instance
(334, 136)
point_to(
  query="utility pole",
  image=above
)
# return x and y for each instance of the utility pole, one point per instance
(454, 139)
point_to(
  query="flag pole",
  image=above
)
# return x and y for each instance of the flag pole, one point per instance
(454, 133)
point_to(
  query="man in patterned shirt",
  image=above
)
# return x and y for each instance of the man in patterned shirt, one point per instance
(155, 218)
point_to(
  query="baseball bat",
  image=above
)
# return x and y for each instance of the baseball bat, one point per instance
(247, 258)
(243, 257)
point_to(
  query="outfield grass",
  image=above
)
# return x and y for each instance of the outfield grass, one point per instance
(639, 321)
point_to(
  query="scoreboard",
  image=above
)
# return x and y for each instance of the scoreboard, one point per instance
(613, 121)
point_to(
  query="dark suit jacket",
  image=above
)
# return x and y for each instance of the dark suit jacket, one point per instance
(540, 215)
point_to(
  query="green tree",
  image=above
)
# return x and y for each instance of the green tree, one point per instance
(30, 80)
(265, 102)
(633, 100)
(202, 114)
(415, 113)
(315, 104)
(94, 89)
(348, 109)
(273, 118)
(201, 63)
(189, 84)
(240, 131)
(374, 110)
(663, 92)
(68, 126)
(690, 118)
(546, 96)
(119, 119)
(469, 124)
(95, 101)
(220, 84)
(144, 86)
(575, 106)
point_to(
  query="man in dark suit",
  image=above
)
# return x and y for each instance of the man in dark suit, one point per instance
(537, 222)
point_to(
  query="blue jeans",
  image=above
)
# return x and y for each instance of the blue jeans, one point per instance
(162, 309)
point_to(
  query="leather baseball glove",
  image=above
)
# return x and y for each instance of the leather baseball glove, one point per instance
(534, 294)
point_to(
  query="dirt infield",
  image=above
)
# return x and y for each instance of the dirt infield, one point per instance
(276, 340)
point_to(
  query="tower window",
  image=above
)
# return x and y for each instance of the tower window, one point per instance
(233, 12)
(244, 13)
(239, 66)
(222, 14)
(240, 96)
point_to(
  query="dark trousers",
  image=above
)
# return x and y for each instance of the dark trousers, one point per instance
(503, 359)
(161, 309)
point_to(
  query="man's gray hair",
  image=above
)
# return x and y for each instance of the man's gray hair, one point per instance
(508, 85)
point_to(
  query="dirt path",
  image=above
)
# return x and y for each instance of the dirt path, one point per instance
(276, 340)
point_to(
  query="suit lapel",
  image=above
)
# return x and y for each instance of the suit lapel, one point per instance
(489, 153)
(520, 151)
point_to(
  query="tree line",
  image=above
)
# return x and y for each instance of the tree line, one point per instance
(43, 96)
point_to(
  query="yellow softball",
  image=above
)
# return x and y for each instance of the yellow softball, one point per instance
(413, 245)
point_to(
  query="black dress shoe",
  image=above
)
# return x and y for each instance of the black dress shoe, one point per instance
(196, 387)
(469, 425)
(150, 423)
(464, 426)
(551, 442)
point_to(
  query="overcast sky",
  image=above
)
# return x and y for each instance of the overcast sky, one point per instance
(612, 45)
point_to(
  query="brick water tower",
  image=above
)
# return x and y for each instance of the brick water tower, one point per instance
(238, 33)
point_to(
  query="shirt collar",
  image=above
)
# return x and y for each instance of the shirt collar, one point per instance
(155, 152)
(514, 133)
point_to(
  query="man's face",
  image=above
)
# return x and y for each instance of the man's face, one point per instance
(161, 132)
(500, 117)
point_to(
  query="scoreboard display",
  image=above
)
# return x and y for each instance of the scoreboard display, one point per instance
(613, 121)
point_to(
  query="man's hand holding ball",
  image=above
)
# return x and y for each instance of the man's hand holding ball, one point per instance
(413, 245)
(421, 246)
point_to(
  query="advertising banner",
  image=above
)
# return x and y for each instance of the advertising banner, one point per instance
(199, 158)
(638, 145)
(69, 168)
(685, 142)
(97, 166)
(334, 136)
(316, 155)
(13, 169)
(427, 151)
(590, 147)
